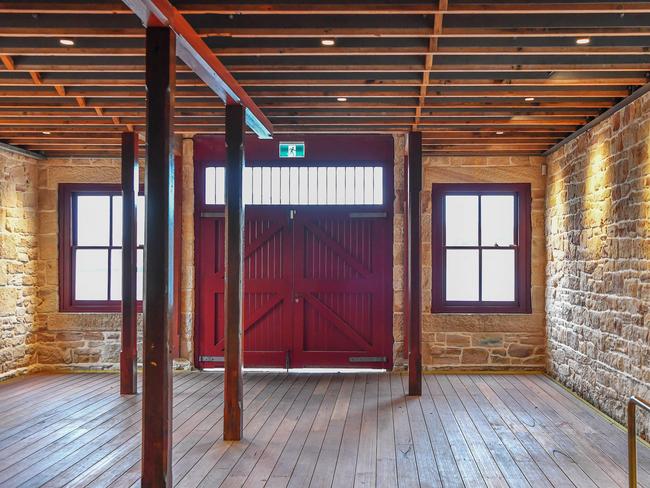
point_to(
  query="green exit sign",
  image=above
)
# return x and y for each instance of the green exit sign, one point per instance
(292, 149)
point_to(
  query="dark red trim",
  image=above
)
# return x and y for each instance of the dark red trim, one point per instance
(522, 303)
(67, 224)
(320, 150)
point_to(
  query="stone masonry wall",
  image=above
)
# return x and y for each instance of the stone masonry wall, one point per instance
(71, 340)
(474, 341)
(90, 340)
(18, 251)
(598, 252)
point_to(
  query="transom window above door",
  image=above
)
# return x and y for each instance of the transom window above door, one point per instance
(301, 185)
(481, 248)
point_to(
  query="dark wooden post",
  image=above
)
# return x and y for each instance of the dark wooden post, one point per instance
(414, 263)
(130, 183)
(158, 259)
(233, 388)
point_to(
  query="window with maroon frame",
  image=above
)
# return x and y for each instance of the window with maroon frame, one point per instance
(90, 247)
(481, 248)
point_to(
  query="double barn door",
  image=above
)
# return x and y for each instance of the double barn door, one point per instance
(317, 289)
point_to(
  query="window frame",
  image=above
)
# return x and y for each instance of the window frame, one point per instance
(67, 230)
(522, 248)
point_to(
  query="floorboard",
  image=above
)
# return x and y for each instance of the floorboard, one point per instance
(316, 430)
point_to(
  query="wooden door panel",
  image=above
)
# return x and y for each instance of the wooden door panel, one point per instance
(267, 289)
(342, 264)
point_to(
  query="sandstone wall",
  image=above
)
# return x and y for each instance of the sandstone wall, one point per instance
(474, 341)
(18, 270)
(90, 340)
(598, 252)
(70, 339)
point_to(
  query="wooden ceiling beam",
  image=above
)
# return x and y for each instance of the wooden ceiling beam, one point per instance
(117, 52)
(428, 60)
(7, 62)
(185, 104)
(330, 8)
(211, 121)
(374, 114)
(54, 79)
(335, 32)
(350, 68)
(502, 92)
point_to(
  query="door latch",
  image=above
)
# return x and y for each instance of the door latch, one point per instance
(292, 214)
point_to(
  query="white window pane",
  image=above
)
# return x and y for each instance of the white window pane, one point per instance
(294, 186)
(266, 185)
(210, 186)
(497, 220)
(331, 186)
(284, 186)
(304, 186)
(340, 185)
(349, 185)
(257, 186)
(220, 186)
(358, 185)
(247, 186)
(322, 186)
(141, 219)
(498, 275)
(462, 275)
(117, 221)
(461, 220)
(275, 186)
(313, 186)
(93, 214)
(116, 274)
(91, 274)
(140, 274)
(368, 186)
(379, 186)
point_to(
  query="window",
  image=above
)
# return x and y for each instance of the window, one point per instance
(90, 219)
(481, 248)
(313, 185)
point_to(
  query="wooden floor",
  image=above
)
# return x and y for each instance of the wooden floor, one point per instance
(316, 430)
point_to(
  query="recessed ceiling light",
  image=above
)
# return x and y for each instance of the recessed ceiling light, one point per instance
(327, 42)
(583, 40)
(341, 99)
(529, 99)
(499, 132)
(46, 133)
(66, 42)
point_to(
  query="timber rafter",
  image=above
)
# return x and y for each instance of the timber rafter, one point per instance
(462, 72)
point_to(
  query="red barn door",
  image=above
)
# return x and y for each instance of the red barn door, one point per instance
(317, 259)
(341, 278)
(267, 287)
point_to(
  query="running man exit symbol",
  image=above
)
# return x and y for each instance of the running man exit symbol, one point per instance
(292, 149)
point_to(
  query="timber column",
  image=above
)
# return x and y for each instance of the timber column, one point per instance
(158, 259)
(233, 387)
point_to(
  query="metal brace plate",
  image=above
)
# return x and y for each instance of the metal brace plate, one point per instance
(368, 215)
(211, 359)
(212, 215)
(369, 359)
